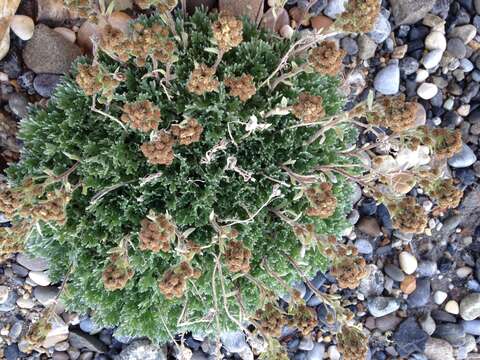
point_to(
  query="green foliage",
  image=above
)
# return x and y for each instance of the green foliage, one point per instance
(190, 191)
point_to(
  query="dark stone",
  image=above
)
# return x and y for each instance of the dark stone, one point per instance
(11, 352)
(80, 340)
(209, 4)
(474, 116)
(409, 338)
(444, 264)
(368, 207)
(470, 92)
(461, 18)
(12, 63)
(467, 5)
(349, 45)
(410, 11)
(411, 88)
(192, 343)
(421, 295)
(384, 217)
(437, 100)
(442, 316)
(476, 22)
(18, 104)
(466, 176)
(453, 333)
(301, 355)
(26, 81)
(441, 8)
(451, 119)
(293, 344)
(45, 84)
(456, 48)
(418, 33)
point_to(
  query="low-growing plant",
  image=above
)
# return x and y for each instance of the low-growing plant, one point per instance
(193, 170)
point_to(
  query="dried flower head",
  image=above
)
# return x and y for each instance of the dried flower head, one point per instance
(228, 32)
(237, 257)
(10, 200)
(53, 208)
(156, 235)
(303, 318)
(187, 132)
(352, 343)
(309, 108)
(243, 87)
(141, 115)
(322, 200)
(408, 216)
(94, 80)
(445, 193)
(115, 43)
(326, 59)
(270, 320)
(202, 80)
(443, 142)
(174, 281)
(80, 8)
(162, 6)
(394, 112)
(37, 333)
(360, 16)
(12, 238)
(160, 150)
(117, 273)
(348, 268)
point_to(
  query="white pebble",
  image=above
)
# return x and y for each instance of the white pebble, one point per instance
(436, 40)
(432, 58)
(4, 292)
(333, 353)
(39, 277)
(422, 75)
(427, 91)
(463, 272)
(27, 303)
(436, 120)
(431, 223)
(439, 297)
(22, 26)
(452, 307)
(408, 262)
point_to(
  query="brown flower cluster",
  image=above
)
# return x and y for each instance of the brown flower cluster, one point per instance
(187, 132)
(202, 80)
(352, 343)
(156, 235)
(93, 79)
(326, 59)
(174, 281)
(141, 43)
(270, 320)
(309, 108)
(408, 216)
(80, 8)
(445, 193)
(444, 142)
(243, 87)
(348, 268)
(51, 209)
(162, 6)
(361, 16)
(38, 332)
(238, 257)
(394, 113)
(160, 150)
(117, 273)
(141, 115)
(303, 318)
(12, 238)
(228, 32)
(10, 200)
(322, 200)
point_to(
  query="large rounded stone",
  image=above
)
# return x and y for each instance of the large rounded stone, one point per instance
(470, 307)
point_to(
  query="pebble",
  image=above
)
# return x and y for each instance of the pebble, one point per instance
(45, 84)
(4, 292)
(427, 323)
(45, 294)
(49, 52)
(364, 246)
(465, 32)
(18, 104)
(39, 277)
(66, 33)
(452, 307)
(31, 263)
(394, 272)
(234, 342)
(439, 297)
(387, 80)
(141, 350)
(381, 28)
(25, 303)
(317, 352)
(408, 262)
(409, 338)
(438, 349)
(306, 343)
(432, 58)
(366, 47)
(427, 91)
(381, 306)
(472, 327)
(421, 295)
(335, 8)
(22, 26)
(456, 48)
(436, 41)
(453, 333)
(464, 158)
(409, 284)
(470, 307)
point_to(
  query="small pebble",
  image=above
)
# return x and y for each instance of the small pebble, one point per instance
(427, 91)
(408, 262)
(439, 297)
(452, 307)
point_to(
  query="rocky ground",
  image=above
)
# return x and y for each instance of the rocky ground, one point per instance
(422, 297)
